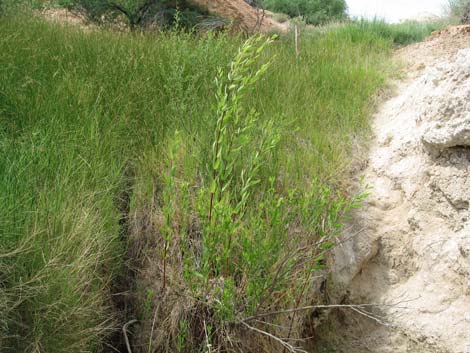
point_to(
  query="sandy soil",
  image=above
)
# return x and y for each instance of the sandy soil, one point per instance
(409, 248)
(64, 16)
(243, 15)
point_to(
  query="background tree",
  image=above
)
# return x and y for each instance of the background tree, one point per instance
(460, 9)
(136, 13)
(465, 12)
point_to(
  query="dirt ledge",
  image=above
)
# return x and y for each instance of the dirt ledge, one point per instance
(410, 245)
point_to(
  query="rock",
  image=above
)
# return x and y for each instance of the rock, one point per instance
(449, 134)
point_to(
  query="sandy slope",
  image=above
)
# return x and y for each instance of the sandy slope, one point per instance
(411, 248)
(243, 15)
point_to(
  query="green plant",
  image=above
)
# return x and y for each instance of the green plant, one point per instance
(182, 337)
(16, 6)
(137, 13)
(149, 299)
(95, 10)
(232, 139)
(314, 11)
(169, 206)
(403, 33)
(250, 264)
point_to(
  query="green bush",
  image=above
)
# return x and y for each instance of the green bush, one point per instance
(137, 13)
(15, 6)
(313, 11)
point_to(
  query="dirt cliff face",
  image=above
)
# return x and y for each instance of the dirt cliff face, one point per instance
(243, 15)
(409, 248)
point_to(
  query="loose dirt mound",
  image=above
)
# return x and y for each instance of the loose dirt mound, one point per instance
(410, 246)
(242, 14)
(440, 45)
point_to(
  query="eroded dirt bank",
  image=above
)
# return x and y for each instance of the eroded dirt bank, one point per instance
(409, 248)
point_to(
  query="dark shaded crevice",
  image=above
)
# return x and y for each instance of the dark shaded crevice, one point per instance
(124, 283)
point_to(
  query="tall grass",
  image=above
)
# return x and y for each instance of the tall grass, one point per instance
(403, 33)
(86, 123)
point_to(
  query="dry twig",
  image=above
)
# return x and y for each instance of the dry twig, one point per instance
(124, 331)
(312, 307)
(285, 344)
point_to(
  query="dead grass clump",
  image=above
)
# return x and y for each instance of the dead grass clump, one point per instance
(177, 319)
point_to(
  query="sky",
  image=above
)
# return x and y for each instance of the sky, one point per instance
(395, 10)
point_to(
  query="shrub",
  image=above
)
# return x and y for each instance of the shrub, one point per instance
(460, 9)
(137, 13)
(314, 11)
(13, 6)
(246, 262)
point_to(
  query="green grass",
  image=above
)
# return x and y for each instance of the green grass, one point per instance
(403, 33)
(86, 118)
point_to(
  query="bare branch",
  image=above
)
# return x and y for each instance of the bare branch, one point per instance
(157, 309)
(286, 345)
(124, 331)
(313, 307)
(371, 316)
(121, 9)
